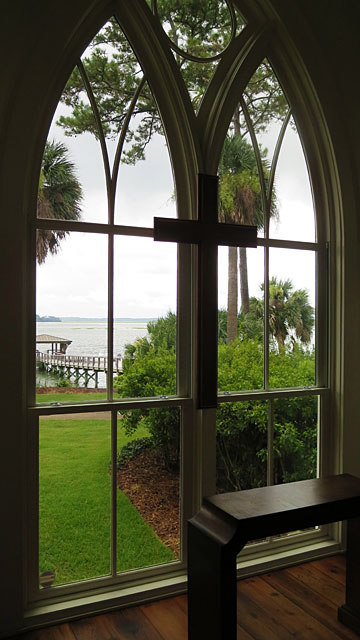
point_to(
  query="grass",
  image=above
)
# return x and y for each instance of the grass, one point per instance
(74, 503)
(69, 397)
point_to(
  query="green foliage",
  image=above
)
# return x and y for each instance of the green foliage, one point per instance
(222, 325)
(149, 370)
(295, 439)
(241, 426)
(149, 374)
(63, 382)
(240, 365)
(291, 317)
(200, 29)
(240, 198)
(241, 434)
(59, 197)
(132, 449)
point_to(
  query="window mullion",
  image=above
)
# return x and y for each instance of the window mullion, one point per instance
(266, 318)
(110, 337)
(113, 493)
(270, 444)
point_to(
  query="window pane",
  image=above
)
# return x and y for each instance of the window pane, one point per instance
(292, 318)
(148, 480)
(295, 438)
(145, 294)
(296, 219)
(138, 206)
(84, 153)
(241, 445)
(71, 308)
(241, 200)
(74, 497)
(240, 319)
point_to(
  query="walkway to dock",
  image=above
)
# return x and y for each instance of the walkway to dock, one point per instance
(84, 368)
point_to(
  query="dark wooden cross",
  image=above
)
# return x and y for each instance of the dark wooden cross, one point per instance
(208, 234)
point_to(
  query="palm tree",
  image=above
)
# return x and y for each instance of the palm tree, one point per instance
(240, 203)
(59, 197)
(290, 313)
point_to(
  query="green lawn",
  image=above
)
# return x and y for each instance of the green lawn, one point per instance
(74, 502)
(47, 398)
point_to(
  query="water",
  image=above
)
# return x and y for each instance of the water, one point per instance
(88, 339)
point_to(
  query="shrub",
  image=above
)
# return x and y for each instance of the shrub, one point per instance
(131, 450)
(63, 382)
(149, 370)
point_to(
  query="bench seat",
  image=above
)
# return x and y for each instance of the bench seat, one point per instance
(226, 522)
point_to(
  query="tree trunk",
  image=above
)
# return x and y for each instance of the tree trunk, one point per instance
(232, 305)
(244, 286)
(243, 274)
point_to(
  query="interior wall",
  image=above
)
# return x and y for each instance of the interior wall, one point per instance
(36, 42)
(326, 36)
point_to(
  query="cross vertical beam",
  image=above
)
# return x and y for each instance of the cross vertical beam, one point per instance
(207, 295)
(208, 234)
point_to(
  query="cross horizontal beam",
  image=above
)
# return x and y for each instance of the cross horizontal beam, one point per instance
(196, 232)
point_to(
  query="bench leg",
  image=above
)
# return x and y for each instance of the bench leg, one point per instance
(349, 613)
(211, 587)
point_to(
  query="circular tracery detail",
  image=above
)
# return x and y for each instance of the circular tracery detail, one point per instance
(183, 31)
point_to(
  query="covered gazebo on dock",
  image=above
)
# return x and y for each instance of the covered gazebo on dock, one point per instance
(58, 345)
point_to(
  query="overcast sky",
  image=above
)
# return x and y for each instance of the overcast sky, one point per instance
(74, 282)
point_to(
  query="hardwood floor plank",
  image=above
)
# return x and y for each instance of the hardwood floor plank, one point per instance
(283, 611)
(168, 617)
(126, 624)
(59, 632)
(242, 634)
(313, 603)
(319, 582)
(255, 620)
(299, 602)
(335, 567)
(92, 628)
(183, 603)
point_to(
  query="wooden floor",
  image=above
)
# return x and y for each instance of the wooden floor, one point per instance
(300, 602)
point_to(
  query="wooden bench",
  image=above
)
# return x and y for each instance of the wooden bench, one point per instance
(226, 522)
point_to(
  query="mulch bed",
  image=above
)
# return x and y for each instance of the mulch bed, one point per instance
(154, 492)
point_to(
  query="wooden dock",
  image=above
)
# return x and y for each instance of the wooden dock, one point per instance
(84, 368)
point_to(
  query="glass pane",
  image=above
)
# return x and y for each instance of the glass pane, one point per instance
(292, 318)
(128, 124)
(148, 506)
(74, 497)
(295, 443)
(146, 189)
(80, 194)
(240, 319)
(241, 200)
(295, 438)
(71, 329)
(296, 219)
(264, 109)
(199, 32)
(145, 294)
(241, 446)
(266, 103)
